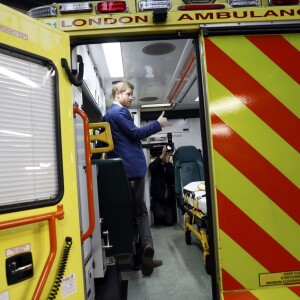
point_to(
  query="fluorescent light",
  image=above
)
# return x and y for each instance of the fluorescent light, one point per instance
(157, 105)
(197, 99)
(113, 56)
(149, 72)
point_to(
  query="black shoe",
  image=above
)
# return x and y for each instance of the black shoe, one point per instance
(157, 263)
(147, 261)
(137, 267)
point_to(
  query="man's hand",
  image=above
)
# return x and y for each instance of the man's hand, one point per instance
(163, 121)
(163, 153)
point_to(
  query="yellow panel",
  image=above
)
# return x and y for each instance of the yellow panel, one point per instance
(240, 265)
(254, 131)
(275, 294)
(269, 216)
(260, 67)
(293, 39)
(232, 256)
(27, 34)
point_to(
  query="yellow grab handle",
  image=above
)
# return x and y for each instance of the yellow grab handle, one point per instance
(104, 136)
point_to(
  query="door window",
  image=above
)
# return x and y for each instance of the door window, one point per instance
(29, 155)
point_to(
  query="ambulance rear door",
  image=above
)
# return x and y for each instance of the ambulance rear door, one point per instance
(40, 238)
(252, 90)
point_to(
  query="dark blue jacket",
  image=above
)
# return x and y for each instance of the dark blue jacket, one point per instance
(127, 139)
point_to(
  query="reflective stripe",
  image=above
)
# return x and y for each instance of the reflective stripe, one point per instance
(253, 93)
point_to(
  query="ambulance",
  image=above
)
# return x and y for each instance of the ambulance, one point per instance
(240, 61)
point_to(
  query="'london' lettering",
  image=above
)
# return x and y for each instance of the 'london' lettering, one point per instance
(95, 21)
(110, 21)
(138, 19)
(79, 22)
(63, 24)
(104, 21)
(125, 20)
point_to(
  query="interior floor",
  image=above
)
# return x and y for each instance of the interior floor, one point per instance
(182, 274)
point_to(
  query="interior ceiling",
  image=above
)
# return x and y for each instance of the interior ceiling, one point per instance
(156, 70)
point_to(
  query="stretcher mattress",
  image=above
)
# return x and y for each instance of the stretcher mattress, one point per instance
(194, 195)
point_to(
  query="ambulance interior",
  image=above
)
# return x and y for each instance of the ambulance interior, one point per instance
(164, 74)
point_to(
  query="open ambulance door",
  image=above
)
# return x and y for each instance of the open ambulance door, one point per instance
(252, 86)
(40, 238)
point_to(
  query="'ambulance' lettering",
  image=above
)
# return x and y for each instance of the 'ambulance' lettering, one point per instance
(185, 17)
(238, 15)
(223, 15)
(200, 16)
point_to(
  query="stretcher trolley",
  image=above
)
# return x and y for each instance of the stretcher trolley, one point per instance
(191, 197)
(194, 206)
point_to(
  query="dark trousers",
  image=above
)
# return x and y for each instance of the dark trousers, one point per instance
(164, 213)
(137, 186)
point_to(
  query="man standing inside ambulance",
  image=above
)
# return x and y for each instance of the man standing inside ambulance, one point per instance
(127, 146)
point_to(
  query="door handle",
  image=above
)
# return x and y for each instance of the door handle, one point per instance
(108, 245)
(22, 269)
(19, 267)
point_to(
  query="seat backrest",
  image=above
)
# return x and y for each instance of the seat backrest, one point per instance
(188, 166)
(115, 205)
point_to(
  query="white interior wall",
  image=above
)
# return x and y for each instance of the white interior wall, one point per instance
(184, 132)
(90, 77)
(193, 137)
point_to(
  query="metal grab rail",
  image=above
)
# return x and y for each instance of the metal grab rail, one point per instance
(50, 217)
(186, 70)
(88, 170)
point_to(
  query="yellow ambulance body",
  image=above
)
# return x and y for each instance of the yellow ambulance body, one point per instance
(249, 93)
(38, 229)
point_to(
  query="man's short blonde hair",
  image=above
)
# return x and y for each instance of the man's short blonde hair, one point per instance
(121, 87)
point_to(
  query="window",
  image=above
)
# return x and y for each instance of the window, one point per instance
(29, 139)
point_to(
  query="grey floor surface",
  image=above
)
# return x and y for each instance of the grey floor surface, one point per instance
(182, 275)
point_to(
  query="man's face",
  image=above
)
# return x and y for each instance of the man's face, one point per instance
(125, 98)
